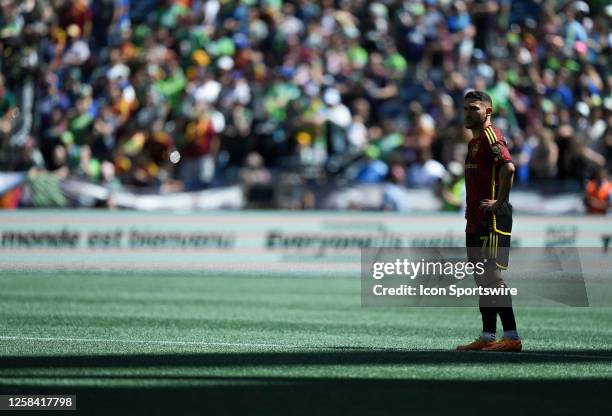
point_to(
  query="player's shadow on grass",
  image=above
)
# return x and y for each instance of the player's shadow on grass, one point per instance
(333, 396)
(157, 391)
(339, 356)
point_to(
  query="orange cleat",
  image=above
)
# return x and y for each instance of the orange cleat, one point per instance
(505, 345)
(477, 345)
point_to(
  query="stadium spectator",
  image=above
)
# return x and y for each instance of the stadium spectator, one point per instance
(545, 156)
(256, 182)
(452, 188)
(310, 86)
(8, 110)
(598, 193)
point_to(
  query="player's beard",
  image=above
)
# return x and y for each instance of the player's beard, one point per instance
(471, 123)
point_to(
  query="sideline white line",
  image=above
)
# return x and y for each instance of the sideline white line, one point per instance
(304, 347)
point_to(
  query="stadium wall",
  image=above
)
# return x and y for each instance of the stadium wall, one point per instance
(250, 241)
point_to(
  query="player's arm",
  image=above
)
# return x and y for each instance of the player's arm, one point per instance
(503, 161)
(506, 177)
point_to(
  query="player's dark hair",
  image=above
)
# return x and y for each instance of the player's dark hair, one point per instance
(479, 96)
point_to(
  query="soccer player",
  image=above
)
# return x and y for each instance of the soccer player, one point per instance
(488, 178)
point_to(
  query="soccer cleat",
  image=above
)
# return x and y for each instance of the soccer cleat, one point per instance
(505, 345)
(477, 345)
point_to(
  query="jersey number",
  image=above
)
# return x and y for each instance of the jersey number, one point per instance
(485, 240)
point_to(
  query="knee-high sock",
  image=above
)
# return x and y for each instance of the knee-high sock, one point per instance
(506, 315)
(489, 319)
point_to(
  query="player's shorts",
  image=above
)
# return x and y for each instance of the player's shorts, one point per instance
(492, 242)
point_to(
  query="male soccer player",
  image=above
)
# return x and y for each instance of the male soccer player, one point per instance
(488, 178)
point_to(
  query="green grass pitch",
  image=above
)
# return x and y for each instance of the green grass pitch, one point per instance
(283, 345)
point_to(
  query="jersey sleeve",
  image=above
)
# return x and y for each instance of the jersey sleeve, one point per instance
(497, 147)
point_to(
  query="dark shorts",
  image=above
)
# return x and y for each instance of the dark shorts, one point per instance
(492, 242)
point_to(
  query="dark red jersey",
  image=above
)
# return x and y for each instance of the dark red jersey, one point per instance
(486, 154)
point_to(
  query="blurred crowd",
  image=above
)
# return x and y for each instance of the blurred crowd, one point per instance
(167, 95)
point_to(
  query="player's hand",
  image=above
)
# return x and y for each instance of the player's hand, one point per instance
(488, 205)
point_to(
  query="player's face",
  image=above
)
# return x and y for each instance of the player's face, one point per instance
(474, 114)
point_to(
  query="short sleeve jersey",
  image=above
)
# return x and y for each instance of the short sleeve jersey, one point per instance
(486, 154)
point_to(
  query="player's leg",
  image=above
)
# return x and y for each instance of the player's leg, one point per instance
(500, 304)
(501, 253)
(505, 310)
(476, 246)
